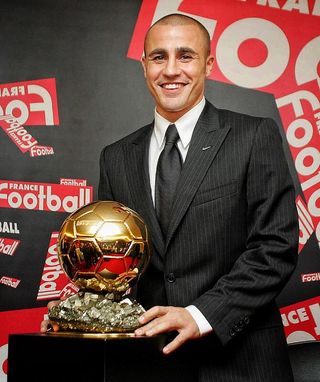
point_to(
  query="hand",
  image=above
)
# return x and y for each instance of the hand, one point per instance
(163, 319)
(45, 324)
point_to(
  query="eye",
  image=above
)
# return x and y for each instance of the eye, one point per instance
(186, 57)
(158, 58)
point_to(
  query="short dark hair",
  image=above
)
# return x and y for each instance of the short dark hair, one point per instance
(179, 19)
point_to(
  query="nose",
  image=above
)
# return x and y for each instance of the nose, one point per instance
(172, 68)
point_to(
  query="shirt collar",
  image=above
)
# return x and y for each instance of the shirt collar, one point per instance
(185, 125)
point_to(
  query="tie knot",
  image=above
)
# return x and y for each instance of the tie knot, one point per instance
(172, 134)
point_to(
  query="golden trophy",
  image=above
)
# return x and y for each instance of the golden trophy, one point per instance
(103, 248)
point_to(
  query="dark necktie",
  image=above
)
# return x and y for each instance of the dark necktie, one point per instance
(167, 176)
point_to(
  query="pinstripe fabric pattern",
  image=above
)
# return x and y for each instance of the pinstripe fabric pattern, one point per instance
(231, 243)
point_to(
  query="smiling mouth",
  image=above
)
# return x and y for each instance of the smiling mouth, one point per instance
(172, 86)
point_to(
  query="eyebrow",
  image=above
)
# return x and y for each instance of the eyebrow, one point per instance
(185, 49)
(181, 49)
(157, 51)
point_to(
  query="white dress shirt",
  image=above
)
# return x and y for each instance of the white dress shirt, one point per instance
(185, 126)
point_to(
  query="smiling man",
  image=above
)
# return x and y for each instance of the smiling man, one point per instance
(214, 189)
(225, 242)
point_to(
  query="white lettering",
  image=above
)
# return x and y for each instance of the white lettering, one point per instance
(13, 91)
(41, 150)
(296, 98)
(19, 135)
(45, 199)
(306, 69)
(22, 107)
(45, 106)
(271, 3)
(316, 8)
(53, 201)
(313, 204)
(8, 227)
(9, 282)
(315, 311)
(51, 275)
(15, 199)
(51, 272)
(300, 5)
(303, 125)
(309, 277)
(3, 359)
(293, 317)
(311, 182)
(300, 162)
(266, 73)
(318, 233)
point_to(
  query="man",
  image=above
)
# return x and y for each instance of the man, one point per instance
(229, 242)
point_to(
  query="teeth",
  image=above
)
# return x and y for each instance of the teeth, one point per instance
(171, 86)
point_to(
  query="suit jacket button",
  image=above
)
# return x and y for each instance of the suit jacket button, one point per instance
(232, 332)
(171, 278)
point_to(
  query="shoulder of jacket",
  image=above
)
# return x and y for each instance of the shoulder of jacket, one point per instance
(128, 138)
(233, 117)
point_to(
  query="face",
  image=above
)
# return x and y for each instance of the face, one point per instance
(176, 64)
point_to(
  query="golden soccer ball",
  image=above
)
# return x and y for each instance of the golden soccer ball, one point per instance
(104, 247)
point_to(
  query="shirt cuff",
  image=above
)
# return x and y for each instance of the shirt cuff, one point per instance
(201, 321)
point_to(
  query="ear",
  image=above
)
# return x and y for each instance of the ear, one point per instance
(143, 63)
(209, 65)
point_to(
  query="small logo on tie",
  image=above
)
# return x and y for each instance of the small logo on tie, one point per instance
(205, 148)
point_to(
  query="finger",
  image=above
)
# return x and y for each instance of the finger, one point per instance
(55, 327)
(142, 331)
(44, 326)
(174, 344)
(47, 325)
(152, 313)
(53, 303)
(161, 319)
(156, 326)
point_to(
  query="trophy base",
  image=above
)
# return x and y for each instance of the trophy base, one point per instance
(96, 313)
(73, 357)
(75, 334)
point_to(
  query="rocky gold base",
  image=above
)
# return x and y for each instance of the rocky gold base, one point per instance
(96, 313)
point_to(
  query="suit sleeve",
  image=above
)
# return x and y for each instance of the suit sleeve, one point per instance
(270, 254)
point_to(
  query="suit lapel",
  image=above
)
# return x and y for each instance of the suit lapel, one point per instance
(136, 157)
(207, 138)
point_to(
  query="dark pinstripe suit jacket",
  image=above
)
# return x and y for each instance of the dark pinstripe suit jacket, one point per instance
(231, 243)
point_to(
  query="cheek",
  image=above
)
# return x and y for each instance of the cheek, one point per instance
(196, 73)
(152, 73)
(200, 77)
